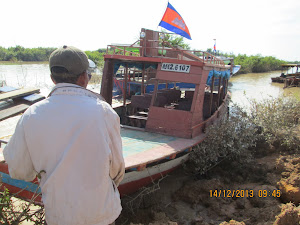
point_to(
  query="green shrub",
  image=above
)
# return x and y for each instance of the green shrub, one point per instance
(230, 139)
(14, 211)
(279, 121)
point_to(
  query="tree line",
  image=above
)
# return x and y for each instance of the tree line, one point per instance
(249, 64)
(254, 63)
(19, 53)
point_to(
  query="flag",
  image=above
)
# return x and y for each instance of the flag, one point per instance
(215, 48)
(172, 21)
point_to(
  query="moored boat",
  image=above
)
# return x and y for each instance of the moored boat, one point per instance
(290, 75)
(158, 128)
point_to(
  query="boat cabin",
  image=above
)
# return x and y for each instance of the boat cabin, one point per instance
(164, 89)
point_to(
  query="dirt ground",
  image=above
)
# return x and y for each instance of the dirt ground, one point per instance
(267, 191)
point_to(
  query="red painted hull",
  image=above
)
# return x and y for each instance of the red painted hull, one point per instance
(131, 187)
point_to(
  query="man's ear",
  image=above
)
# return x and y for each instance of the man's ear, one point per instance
(82, 80)
(53, 79)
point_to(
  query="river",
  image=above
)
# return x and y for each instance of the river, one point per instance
(242, 87)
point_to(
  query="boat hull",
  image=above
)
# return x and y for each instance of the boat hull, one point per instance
(133, 180)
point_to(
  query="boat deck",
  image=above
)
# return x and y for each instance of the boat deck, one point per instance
(142, 148)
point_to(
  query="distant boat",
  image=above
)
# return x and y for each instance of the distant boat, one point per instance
(290, 75)
(236, 69)
(159, 128)
(230, 61)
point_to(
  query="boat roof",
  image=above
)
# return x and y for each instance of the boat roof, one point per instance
(290, 65)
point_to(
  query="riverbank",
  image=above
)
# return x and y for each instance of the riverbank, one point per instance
(263, 190)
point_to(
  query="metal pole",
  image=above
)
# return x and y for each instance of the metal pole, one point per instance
(215, 48)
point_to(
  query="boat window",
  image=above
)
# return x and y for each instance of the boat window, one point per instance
(137, 82)
(177, 96)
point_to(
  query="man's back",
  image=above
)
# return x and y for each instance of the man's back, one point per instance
(67, 136)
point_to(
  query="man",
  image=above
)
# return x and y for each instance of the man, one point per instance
(72, 138)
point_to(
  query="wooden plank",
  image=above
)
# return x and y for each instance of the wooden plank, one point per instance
(143, 113)
(138, 117)
(5, 104)
(155, 60)
(7, 89)
(18, 93)
(33, 98)
(179, 77)
(12, 111)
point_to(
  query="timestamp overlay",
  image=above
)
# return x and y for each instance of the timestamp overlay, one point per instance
(244, 193)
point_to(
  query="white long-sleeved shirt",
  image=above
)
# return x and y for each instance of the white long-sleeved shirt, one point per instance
(75, 137)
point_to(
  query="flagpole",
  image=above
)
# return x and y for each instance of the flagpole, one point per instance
(215, 48)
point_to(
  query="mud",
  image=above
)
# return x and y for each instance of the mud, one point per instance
(266, 191)
(290, 178)
(290, 215)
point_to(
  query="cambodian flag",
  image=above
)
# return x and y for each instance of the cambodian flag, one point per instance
(172, 21)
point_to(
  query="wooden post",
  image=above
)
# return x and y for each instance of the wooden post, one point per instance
(222, 92)
(162, 53)
(211, 94)
(219, 94)
(143, 82)
(226, 87)
(154, 92)
(125, 88)
(196, 97)
(107, 81)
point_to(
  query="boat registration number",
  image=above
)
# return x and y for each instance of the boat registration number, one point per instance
(176, 67)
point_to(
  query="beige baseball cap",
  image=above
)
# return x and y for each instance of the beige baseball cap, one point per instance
(71, 58)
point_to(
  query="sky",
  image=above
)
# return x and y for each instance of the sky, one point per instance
(265, 27)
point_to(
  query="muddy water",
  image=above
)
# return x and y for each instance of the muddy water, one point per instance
(258, 86)
(35, 75)
(32, 75)
(242, 87)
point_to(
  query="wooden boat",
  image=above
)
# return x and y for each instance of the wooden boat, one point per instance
(290, 75)
(159, 128)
